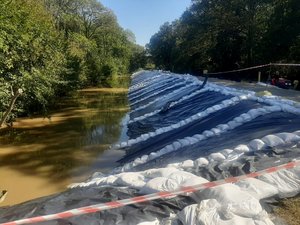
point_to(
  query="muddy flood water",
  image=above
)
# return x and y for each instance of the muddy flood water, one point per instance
(41, 156)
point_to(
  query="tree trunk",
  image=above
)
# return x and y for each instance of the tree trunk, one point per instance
(11, 106)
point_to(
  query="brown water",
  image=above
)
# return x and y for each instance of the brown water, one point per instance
(41, 156)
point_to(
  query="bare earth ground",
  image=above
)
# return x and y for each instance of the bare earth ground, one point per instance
(289, 209)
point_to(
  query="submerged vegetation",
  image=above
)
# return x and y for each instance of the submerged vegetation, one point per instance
(51, 47)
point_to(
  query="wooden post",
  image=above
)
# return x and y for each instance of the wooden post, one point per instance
(259, 76)
(205, 72)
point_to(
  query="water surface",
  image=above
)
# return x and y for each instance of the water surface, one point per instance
(41, 156)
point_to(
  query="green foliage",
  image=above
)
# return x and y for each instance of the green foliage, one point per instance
(97, 46)
(51, 47)
(222, 35)
(30, 55)
(139, 59)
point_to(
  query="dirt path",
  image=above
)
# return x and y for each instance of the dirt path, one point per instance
(284, 93)
(289, 211)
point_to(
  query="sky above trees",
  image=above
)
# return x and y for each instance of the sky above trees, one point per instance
(144, 17)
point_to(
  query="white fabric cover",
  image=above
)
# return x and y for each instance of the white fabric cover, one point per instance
(211, 212)
(257, 188)
(159, 184)
(286, 181)
(272, 140)
(256, 144)
(219, 157)
(187, 179)
(161, 172)
(131, 179)
(240, 202)
(241, 148)
(288, 137)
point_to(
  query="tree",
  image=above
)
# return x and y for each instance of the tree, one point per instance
(30, 55)
(161, 47)
(283, 31)
(105, 49)
(221, 35)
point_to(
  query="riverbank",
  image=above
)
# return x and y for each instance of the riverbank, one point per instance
(41, 156)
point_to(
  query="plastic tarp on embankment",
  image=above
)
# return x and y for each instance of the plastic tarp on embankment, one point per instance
(180, 135)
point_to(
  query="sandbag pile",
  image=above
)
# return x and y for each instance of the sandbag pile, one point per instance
(182, 135)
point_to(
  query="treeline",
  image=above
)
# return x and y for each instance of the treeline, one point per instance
(220, 35)
(50, 47)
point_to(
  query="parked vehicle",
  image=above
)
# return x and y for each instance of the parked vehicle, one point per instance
(284, 83)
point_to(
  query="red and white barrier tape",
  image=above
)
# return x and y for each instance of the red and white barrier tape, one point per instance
(145, 198)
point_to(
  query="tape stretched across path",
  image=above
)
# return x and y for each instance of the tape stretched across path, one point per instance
(146, 198)
(257, 67)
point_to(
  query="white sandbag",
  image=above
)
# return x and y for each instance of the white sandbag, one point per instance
(286, 181)
(161, 172)
(226, 152)
(187, 164)
(154, 222)
(219, 157)
(110, 180)
(211, 212)
(297, 132)
(159, 184)
(193, 181)
(181, 176)
(272, 140)
(257, 188)
(175, 165)
(131, 179)
(201, 162)
(256, 144)
(186, 179)
(241, 148)
(189, 215)
(288, 137)
(240, 202)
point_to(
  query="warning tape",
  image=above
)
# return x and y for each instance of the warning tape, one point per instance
(284, 64)
(239, 70)
(255, 67)
(146, 198)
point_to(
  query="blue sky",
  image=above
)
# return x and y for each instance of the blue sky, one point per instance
(144, 17)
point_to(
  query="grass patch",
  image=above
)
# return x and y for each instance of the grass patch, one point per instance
(289, 210)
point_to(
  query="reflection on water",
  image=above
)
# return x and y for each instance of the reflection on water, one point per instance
(41, 156)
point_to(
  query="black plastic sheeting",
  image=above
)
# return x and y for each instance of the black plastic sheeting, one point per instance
(263, 125)
(171, 97)
(197, 127)
(178, 112)
(268, 124)
(165, 91)
(152, 88)
(253, 161)
(80, 197)
(148, 211)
